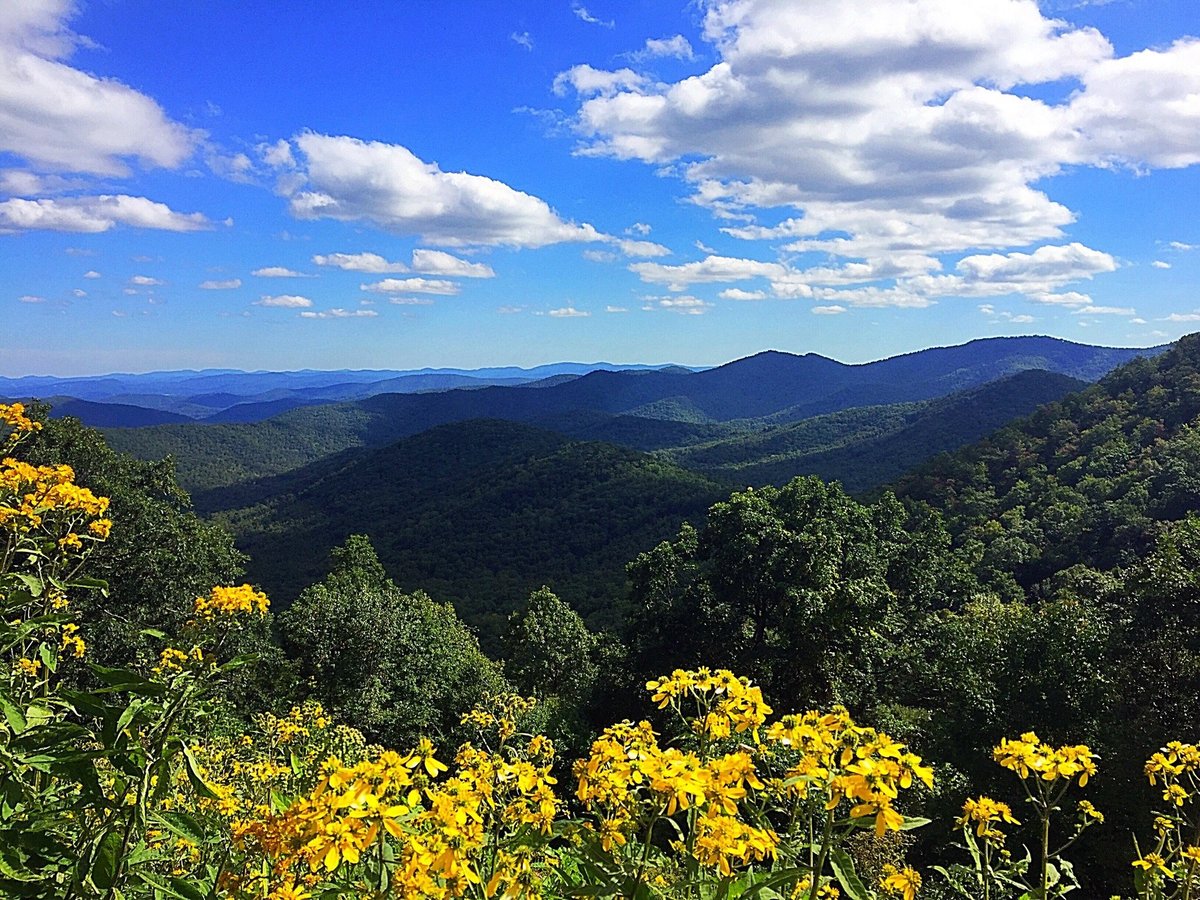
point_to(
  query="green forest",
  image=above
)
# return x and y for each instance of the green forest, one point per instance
(497, 659)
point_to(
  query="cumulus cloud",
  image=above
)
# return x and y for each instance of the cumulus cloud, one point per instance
(350, 180)
(339, 313)
(590, 82)
(412, 286)
(93, 215)
(218, 285)
(371, 263)
(1183, 317)
(895, 127)
(145, 281)
(285, 301)
(832, 310)
(616, 309)
(31, 298)
(522, 39)
(1160, 264)
(63, 119)
(91, 273)
(438, 262)
(639, 228)
(568, 312)
(1181, 246)
(278, 272)
(739, 294)
(411, 301)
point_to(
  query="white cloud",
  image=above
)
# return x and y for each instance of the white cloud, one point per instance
(896, 127)
(739, 294)
(91, 273)
(78, 292)
(339, 313)
(1181, 246)
(683, 304)
(1023, 319)
(1104, 311)
(286, 301)
(278, 272)
(616, 309)
(350, 180)
(676, 46)
(509, 310)
(709, 269)
(63, 119)
(833, 310)
(31, 298)
(438, 262)
(587, 81)
(523, 39)
(639, 228)
(22, 183)
(411, 301)
(93, 215)
(642, 248)
(568, 312)
(1046, 265)
(581, 12)
(412, 286)
(371, 263)
(1182, 317)
(1159, 264)
(145, 281)
(599, 256)
(217, 285)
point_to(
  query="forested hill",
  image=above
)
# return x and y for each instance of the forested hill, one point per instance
(868, 446)
(1088, 480)
(771, 387)
(479, 513)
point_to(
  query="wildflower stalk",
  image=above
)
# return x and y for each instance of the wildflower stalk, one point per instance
(826, 840)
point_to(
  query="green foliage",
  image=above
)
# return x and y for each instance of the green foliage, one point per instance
(480, 514)
(808, 590)
(392, 664)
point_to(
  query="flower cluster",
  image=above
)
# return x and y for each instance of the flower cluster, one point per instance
(19, 424)
(1176, 768)
(722, 702)
(984, 815)
(1030, 755)
(841, 761)
(229, 602)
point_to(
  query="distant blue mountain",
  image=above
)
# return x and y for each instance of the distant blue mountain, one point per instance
(229, 395)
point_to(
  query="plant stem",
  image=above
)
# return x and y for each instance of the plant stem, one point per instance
(826, 839)
(1044, 893)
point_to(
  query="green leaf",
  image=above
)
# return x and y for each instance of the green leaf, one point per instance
(32, 582)
(193, 773)
(89, 583)
(183, 825)
(911, 822)
(14, 717)
(777, 878)
(48, 656)
(134, 707)
(843, 869)
(107, 863)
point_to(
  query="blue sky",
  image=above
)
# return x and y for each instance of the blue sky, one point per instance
(396, 185)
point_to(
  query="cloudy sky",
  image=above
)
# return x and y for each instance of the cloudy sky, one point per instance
(255, 184)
